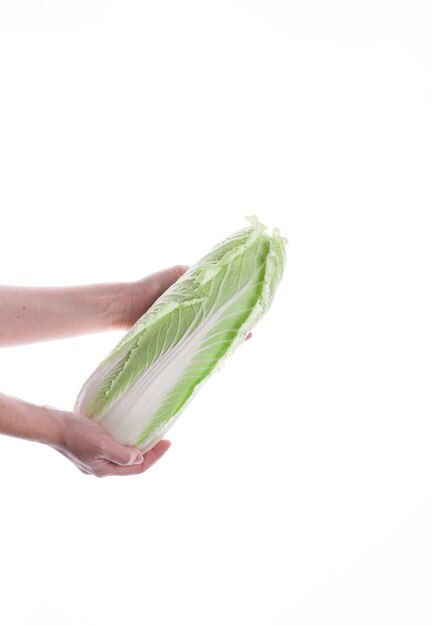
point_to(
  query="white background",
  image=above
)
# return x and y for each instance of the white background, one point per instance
(135, 135)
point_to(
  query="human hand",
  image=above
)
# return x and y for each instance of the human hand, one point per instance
(85, 443)
(138, 296)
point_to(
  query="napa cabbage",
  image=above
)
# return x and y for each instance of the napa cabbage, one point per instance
(146, 381)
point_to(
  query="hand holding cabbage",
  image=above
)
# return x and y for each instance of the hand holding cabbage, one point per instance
(184, 323)
(30, 314)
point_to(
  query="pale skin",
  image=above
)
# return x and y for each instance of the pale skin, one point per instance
(31, 314)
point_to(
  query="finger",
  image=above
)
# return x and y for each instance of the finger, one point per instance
(155, 453)
(121, 455)
(150, 459)
(122, 470)
(165, 278)
(248, 336)
(159, 282)
(182, 269)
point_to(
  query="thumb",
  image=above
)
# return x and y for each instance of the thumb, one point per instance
(123, 455)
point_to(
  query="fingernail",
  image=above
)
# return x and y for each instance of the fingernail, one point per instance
(138, 459)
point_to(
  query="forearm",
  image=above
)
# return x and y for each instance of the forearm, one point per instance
(29, 314)
(29, 421)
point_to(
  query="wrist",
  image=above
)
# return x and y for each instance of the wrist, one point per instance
(54, 426)
(117, 304)
(33, 422)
